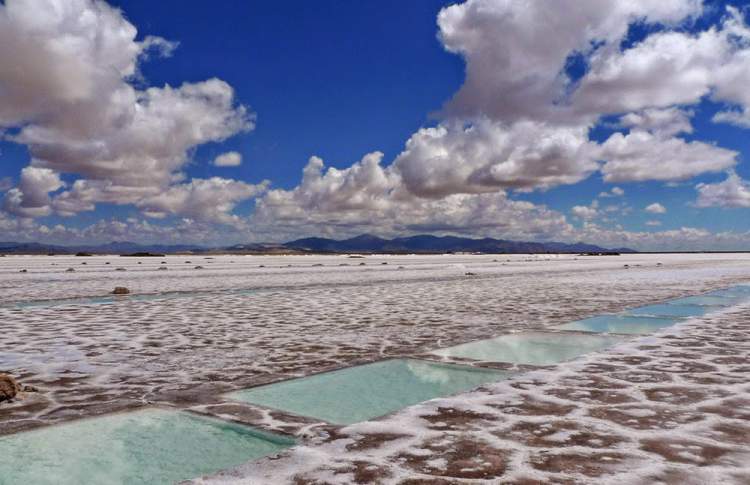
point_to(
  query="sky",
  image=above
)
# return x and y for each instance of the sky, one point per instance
(609, 122)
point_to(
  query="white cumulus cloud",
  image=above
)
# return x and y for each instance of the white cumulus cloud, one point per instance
(656, 208)
(66, 88)
(228, 159)
(732, 192)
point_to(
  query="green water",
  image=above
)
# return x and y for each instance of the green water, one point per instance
(533, 348)
(368, 391)
(619, 324)
(143, 447)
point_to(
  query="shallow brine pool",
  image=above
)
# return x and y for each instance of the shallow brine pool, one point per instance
(669, 310)
(151, 446)
(533, 348)
(710, 300)
(368, 391)
(626, 324)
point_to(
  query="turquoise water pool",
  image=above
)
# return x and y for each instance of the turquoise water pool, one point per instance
(368, 391)
(710, 300)
(625, 324)
(669, 310)
(649, 318)
(534, 348)
(151, 446)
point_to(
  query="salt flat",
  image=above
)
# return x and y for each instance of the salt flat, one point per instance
(248, 320)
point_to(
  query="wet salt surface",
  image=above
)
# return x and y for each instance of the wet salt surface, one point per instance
(188, 351)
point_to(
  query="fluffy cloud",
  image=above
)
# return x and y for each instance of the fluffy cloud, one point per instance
(228, 159)
(651, 151)
(665, 69)
(517, 91)
(369, 197)
(488, 156)
(584, 212)
(615, 192)
(662, 122)
(656, 208)
(673, 68)
(732, 192)
(148, 147)
(66, 89)
(640, 156)
(59, 54)
(31, 197)
(205, 200)
(515, 68)
(362, 188)
(739, 117)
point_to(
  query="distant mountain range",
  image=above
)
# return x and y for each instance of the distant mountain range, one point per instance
(365, 243)
(439, 244)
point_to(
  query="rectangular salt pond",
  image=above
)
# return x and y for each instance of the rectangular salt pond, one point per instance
(620, 324)
(152, 446)
(669, 310)
(534, 348)
(368, 391)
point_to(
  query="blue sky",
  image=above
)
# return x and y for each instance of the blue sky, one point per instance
(524, 141)
(331, 78)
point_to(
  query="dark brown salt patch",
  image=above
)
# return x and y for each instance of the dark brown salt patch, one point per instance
(457, 456)
(559, 434)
